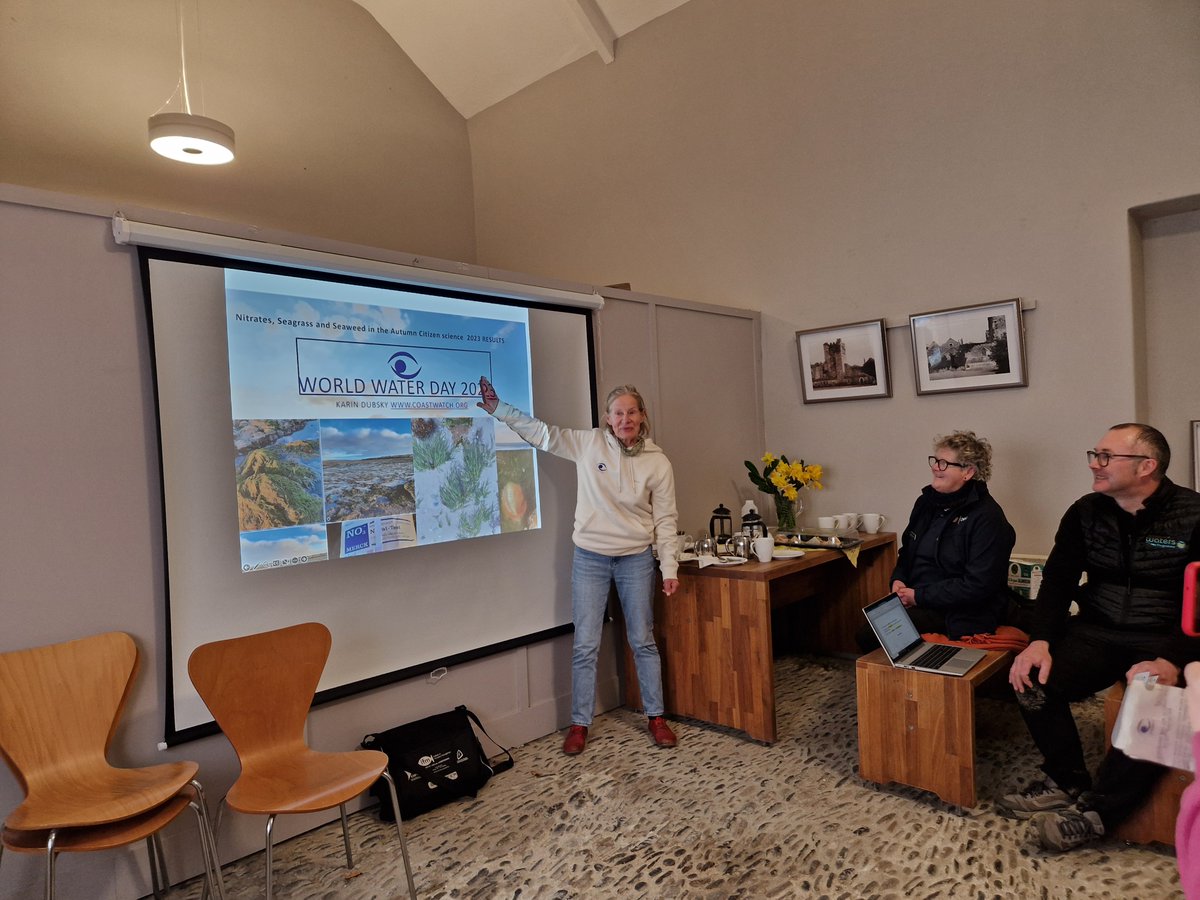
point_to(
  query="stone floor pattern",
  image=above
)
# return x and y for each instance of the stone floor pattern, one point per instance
(721, 816)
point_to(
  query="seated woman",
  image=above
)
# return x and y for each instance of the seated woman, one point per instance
(952, 571)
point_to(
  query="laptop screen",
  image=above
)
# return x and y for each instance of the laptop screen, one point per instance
(892, 625)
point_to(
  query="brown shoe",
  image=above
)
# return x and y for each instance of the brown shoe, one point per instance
(576, 740)
(663, 735)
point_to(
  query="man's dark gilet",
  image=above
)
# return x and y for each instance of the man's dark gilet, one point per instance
(1138, 585)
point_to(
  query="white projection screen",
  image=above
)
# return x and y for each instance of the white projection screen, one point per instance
(470, 586)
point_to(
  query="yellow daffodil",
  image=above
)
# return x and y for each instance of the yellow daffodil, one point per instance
(784, 478)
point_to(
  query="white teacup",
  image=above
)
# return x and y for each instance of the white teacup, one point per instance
(847, 521)
(826, 522)
(764, 548)
(872, 522)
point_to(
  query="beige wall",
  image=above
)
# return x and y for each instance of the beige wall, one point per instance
(339, 135)
(827, 163)
(1172, 266)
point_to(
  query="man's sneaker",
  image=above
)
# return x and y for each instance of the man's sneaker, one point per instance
(576, 740)
(1068, 829)
(663, 735)
(1040, 796)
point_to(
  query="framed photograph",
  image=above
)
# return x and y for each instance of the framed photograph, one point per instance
(1196, 454)
(970, 348)
(846, 362)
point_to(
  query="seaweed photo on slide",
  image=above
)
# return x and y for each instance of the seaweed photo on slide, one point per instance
(368, 468)
(278, 466)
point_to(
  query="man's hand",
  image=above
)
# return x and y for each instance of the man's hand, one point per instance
(488, 399)
(1166, 671)
(1035, 656)
(670, 586)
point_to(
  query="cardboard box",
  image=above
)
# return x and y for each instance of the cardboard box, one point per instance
(1025, 575)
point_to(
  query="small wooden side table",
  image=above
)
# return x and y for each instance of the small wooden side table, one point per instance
(918, 728)
(1153, 821)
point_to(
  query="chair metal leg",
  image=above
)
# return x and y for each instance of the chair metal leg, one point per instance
(160, 881)
(270, 883)
(214, 881)
(412, 888)
(50, 852)
(346, 836)
(216, 857)
(155, 890)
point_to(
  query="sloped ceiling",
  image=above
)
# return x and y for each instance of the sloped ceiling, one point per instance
(477, 52)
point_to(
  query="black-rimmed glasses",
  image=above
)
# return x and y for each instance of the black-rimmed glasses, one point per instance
(941, 464)
(1103, 457)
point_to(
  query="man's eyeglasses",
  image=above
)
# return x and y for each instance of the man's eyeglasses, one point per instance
(1102, 457)
(941, 464)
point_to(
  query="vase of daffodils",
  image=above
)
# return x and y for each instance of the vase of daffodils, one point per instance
(784, 480)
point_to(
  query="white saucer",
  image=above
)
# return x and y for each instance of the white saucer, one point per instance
(786, 553)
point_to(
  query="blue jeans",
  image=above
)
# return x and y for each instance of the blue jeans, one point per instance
(591, 576)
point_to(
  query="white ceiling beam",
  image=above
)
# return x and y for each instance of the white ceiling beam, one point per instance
(597, 27)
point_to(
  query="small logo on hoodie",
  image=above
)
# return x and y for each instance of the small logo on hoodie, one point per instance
(603, 467)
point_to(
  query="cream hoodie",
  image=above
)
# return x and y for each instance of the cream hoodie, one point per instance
(624, 503)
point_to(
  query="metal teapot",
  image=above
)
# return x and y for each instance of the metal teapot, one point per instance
(753, 524)
(740, 545)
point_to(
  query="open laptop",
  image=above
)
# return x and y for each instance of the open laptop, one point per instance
(903, 645)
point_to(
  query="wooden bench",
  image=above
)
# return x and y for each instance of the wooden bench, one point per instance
(918, 728)
(1154, 820)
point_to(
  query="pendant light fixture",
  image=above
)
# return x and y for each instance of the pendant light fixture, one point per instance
(185, 136)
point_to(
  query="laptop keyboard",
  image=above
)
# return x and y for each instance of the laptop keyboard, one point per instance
(934, 656)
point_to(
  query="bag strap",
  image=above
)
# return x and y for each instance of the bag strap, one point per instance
(503, 765)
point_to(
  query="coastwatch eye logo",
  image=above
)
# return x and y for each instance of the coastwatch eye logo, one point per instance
(401, 362)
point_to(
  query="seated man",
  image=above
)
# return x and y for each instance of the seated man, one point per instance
(1133, 536)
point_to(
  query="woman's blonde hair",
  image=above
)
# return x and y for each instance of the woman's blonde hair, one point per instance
(628, 390)
(971, 450)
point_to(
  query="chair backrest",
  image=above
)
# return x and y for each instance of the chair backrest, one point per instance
(259, 687)
(59, 707)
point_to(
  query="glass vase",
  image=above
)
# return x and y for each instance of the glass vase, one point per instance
(786, 512)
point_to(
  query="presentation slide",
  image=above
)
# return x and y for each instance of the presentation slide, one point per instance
(355, 426)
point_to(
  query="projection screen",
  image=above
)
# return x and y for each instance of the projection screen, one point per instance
(311, 423)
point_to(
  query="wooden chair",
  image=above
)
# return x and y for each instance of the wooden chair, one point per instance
(59, 707)
(259, 689)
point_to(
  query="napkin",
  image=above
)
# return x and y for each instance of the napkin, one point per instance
(851, 553)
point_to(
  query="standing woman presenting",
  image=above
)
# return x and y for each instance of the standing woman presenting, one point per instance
(625, 505)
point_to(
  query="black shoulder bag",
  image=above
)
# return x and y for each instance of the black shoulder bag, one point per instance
(433, 761)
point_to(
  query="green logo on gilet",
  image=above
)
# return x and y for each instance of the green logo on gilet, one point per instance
(1166, 543)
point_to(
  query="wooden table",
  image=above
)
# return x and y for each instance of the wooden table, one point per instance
(918, 728)
(715, 637)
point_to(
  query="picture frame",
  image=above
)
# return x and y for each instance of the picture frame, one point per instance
(844, 362)
(969, 348)
(1196, 454)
